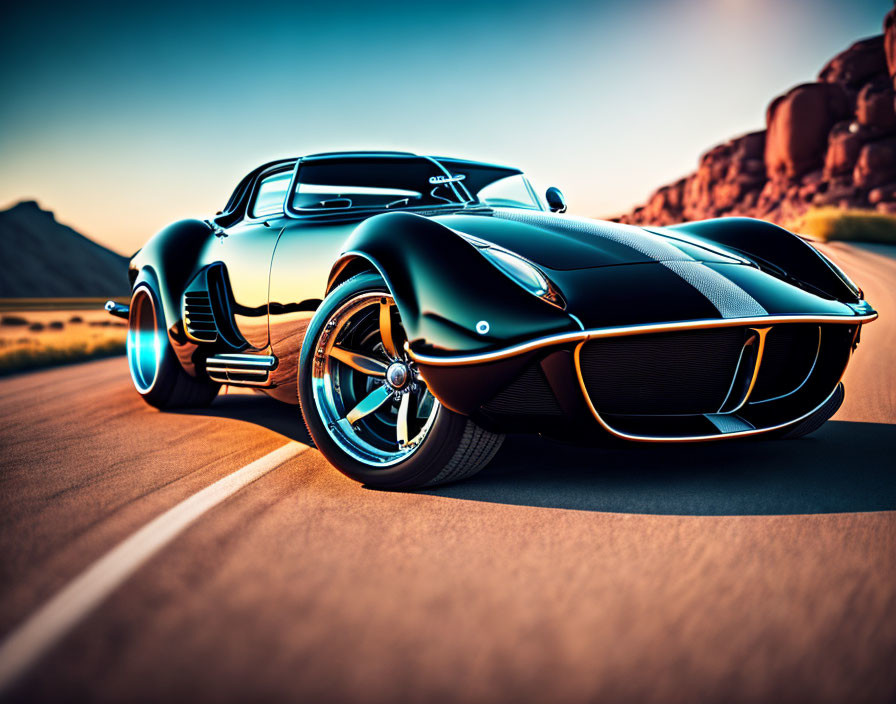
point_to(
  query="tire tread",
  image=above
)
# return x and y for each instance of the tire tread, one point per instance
(817, 419)
(476, 449)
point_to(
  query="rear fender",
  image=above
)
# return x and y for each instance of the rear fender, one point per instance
(168, 262)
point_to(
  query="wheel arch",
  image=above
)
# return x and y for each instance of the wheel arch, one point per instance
(349, 265)
(168, 262)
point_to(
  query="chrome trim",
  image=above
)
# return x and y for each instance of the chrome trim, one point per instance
(802, 383)
(740, 359)
(621, 331)
(117, 309)
(236, 370)
(250, 360)
(762, 332)
(220, 367)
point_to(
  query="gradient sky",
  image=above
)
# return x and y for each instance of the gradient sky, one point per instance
(122, 118)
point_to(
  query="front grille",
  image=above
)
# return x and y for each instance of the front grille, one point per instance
(790, 353)
(687, 372)
(198, 316)
(529, 394)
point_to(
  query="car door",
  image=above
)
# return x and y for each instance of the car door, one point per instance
(305, 253)
(246, 249)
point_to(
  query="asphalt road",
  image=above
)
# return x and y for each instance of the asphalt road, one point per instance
(760, 571)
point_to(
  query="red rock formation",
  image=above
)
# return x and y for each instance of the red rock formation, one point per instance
(890, 41)
(861, 61)
(798, 126)
(874, 105)
(844, 145)
(876, 164)
(831, 142)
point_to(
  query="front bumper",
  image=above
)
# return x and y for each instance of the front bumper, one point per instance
(545, 383)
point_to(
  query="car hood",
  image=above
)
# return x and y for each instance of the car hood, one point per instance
(566, 242)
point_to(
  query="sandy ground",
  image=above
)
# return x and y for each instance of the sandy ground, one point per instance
(761, 571)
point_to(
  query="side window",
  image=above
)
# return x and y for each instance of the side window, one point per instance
(270, 196)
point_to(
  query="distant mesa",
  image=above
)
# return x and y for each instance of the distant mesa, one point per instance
(831, 142)
(40, 258)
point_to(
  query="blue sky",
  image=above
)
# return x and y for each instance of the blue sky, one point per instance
(122, 118)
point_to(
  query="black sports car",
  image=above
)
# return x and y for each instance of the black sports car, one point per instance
(418, 308)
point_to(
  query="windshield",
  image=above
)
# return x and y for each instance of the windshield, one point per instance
(325, 184)
(509, 192)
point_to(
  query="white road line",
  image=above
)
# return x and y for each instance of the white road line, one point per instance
(47, 626)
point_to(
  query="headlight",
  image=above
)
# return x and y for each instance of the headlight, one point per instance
(524, 273)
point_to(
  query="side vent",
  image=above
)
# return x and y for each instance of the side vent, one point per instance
(199, 318)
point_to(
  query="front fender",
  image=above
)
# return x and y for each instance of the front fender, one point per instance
(774, 244)
(445, 289)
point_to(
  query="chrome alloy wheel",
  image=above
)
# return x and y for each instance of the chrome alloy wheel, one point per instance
(368, 392)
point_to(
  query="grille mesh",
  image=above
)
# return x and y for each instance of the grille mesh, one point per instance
(688, 372)
(529, 394)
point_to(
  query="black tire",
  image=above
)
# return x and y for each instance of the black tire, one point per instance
(816, 420)
(452, 446)
(156, 372)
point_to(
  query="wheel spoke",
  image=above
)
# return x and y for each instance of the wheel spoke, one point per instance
(360, 362)
(386, 328)
(369, 403)
(401, 426)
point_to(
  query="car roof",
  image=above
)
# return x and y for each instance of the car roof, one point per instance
(441, 159)
(245, 185)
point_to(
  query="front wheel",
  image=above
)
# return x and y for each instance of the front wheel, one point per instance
(816, 420)
(367, 407)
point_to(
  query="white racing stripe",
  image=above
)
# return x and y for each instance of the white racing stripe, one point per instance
(47, 626)
(726, 296)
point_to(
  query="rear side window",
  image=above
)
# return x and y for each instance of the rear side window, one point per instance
(270, 196)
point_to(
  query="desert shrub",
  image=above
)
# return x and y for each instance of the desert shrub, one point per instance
(36, 327)
(13, 320)
(76, 319)
(39, 356)
(828, 224)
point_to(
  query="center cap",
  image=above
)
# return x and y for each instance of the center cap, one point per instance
(397, 375)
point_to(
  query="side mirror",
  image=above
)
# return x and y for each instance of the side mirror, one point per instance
(555, 199)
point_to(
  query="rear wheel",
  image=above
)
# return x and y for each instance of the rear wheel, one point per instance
(367, 407)
(157, 375)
